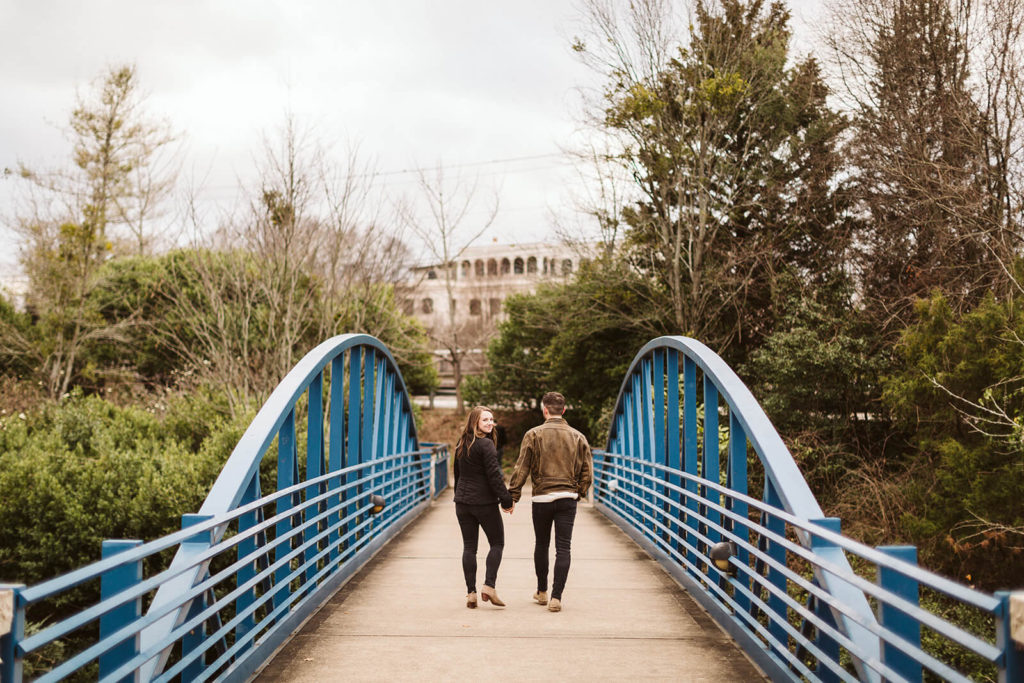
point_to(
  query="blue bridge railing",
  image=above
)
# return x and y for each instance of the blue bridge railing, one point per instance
(250, 567)
(687, 447)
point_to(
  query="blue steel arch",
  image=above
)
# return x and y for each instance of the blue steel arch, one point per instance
(662, 478)
(285, 551)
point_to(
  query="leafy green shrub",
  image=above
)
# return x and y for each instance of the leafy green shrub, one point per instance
(961, 397)
(76, 472)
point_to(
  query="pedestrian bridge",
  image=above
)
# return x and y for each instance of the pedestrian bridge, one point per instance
(327, 549)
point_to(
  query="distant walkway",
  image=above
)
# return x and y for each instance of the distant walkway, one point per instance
(404, 617)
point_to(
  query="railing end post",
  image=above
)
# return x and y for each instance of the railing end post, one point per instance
(12, 631)
(895, 619)
(113, 582)
(1010, 635)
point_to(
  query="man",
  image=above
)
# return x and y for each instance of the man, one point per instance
(557, 459)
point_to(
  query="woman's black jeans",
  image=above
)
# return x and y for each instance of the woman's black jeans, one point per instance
(562, 514)
(471, 518)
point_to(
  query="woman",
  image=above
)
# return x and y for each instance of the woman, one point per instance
(479, 487)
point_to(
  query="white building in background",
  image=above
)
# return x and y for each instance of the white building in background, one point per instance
(481, 279)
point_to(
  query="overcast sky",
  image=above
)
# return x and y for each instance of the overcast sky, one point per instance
(460, 82)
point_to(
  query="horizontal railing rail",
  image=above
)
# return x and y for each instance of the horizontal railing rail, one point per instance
(803, 600)
(248, 569)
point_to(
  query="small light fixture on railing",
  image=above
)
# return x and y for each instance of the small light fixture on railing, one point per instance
(378, 504)
(721, 553)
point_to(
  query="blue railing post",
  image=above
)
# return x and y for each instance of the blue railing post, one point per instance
(193, 640)
(1011, 668)
(111, 583)
(354, 440)
(336, 449)
(776, 552)
(710, 469)
(287, 474)
(690, 455)
(897, 620)
(12, 631)
(826, 643)
(314, 466)
(736, 480)
(248, 571)
(672, 456)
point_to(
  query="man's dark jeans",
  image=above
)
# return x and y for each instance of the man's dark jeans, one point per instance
(562, 514)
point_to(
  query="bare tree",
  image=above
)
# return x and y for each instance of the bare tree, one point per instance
(71, 216)
(438, 216)
(306, 258)
(935, 91)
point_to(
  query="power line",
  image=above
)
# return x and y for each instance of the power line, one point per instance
(471, 164)
(465, 165)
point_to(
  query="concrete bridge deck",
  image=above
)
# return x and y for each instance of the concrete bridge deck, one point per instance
(403, 617)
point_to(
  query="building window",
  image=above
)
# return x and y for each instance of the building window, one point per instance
(517, 267)
(474, 306)
(431, 274)
(506, 266)
(478, 266)
(451, 306)
(567, 266)
(492, 267)
(466, 268)
(408, 306)
(531, 265)
(495, 305)
(427, 306)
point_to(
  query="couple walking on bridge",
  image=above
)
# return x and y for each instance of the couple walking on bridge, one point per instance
(557, 460)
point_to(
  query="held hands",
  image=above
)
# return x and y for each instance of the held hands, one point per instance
(508, 511)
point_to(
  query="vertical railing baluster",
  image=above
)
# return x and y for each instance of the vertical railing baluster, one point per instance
(646, 406)
(314, 465)
(710, 469)
(352, 451)
(777, 552)
(736, 480)
(690, 455)
(366, 443)
(247, 571)
(112, 582)
(629, 417)
(672, 439)
(287, 475)
(826, 643)
(897, 620)
(336, 449)
(195, 639)
(660, 455)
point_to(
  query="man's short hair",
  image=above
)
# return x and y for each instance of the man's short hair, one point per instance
(554, 402)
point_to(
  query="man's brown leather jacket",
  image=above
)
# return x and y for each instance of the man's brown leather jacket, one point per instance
(556, 457)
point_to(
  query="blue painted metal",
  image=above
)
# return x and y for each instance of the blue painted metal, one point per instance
(241, 582)
(112, 582)
(897, 620)
(12, 631)
(816, 626)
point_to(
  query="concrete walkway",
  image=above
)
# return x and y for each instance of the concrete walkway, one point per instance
(403, 617)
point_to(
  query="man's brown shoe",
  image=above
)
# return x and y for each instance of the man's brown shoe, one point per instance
(541, 597)
(488, 594)
(471, 600)
(554, 605)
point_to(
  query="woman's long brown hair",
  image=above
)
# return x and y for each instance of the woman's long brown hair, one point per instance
(469, 434)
